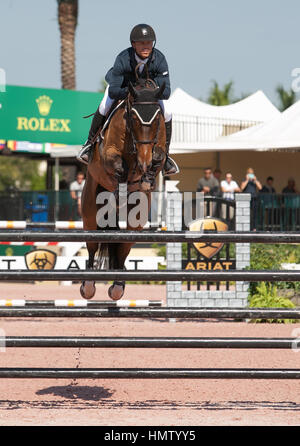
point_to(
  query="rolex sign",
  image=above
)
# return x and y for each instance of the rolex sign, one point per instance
(46, 115)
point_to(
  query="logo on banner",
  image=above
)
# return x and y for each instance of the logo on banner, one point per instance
(208, 249)
(44, 104)
(40, 259)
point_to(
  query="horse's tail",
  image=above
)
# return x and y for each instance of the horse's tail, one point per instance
(102, 256)
(106, 255)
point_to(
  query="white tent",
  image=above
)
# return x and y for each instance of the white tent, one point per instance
(256, 107)
(282, 132)
(197, 124)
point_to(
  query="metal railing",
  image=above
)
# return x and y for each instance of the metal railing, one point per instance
(269, 212)
(276, 212)
(192, 129)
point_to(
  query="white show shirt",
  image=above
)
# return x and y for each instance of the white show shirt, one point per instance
(76, 187)
(229, 189)
(139, 60)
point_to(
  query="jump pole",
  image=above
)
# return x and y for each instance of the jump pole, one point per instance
(148, 342)
(117, 373)
(149, 236)
(160, 313)
(151, 275)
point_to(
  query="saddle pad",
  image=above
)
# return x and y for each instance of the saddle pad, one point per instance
(109, 118)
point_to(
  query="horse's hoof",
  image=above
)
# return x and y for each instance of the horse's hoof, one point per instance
(146, 186)
(87, 289)
(116, 290)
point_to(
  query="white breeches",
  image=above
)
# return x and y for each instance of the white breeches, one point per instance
(106, 103)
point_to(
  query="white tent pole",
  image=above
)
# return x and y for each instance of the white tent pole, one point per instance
(56, 174)
(56, 188)
(160, 198)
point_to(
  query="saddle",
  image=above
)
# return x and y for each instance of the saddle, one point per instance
(115, 106)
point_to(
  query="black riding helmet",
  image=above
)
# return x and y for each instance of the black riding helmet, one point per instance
(142, 32)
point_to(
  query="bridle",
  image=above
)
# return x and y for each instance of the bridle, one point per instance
(130, 108)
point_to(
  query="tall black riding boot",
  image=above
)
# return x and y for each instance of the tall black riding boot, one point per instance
(97, 124)
(170, 167)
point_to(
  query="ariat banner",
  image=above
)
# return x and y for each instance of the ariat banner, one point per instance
(46, 115)
(208, 249)
(41, 259)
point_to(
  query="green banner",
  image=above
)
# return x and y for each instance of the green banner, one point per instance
(46, 115)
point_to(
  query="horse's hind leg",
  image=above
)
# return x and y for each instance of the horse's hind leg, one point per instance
(89, 211)
(118, 254)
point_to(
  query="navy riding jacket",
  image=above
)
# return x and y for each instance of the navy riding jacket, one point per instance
(123, 72)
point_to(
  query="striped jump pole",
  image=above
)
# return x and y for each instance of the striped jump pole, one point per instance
(160, 313)
(147, 342)
(6, 224)
(79, 303)
(163, 373)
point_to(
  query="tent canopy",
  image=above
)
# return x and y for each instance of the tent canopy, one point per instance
(256, 107)
(282, 132)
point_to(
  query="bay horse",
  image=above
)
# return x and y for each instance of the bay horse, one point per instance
(132, 153)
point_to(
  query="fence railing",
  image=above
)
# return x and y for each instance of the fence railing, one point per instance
(269, 212)
(276, 212)
(192, 129)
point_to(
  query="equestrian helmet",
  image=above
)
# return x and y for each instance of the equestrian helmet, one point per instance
(142, 33)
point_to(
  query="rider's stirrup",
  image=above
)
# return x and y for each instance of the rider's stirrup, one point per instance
(170, 167)
(84, 152)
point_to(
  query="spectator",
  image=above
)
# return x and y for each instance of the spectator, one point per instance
(268, 187)
(63, 185)
(229, 187)
(208, 183)
(251, 186)
(76, 188)
(217, 174)
(290, 188)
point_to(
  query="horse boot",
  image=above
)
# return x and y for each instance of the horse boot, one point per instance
(86, 150)
(170, 167)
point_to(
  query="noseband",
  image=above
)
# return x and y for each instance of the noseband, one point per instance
(130, 109)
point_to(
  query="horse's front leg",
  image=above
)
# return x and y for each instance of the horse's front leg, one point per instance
(148, 179)
(89, 211)
(118, 255)
(88, 288)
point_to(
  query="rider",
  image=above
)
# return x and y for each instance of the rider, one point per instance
(143, 51)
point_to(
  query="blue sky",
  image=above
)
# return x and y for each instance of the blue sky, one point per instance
(255, 44)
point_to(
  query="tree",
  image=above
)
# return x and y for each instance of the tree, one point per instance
(21, 173)
(217, 96)
(67, 20)
(286, 97)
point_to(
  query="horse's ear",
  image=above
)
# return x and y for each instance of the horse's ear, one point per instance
(160, 91)
(132, 90)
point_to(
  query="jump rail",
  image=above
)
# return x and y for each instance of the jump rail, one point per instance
(143, 342)
(116, 373)
(152, 275)
(22, 224)
(181, 313)
(78, 303)
(149, 236)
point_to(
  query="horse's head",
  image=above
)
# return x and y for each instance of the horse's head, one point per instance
(145, 120)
